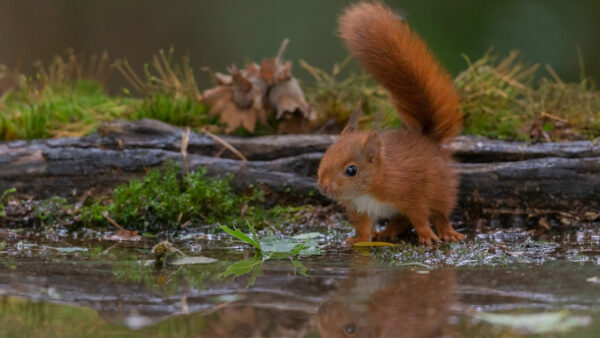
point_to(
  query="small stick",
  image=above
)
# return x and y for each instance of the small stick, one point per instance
(184, 225)
(185, 141)
(112, 221)
(225, 144)
(553, 117)
(282, 49)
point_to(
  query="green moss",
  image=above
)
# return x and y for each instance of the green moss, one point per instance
(181, 112)
(501, 100)
(163, 201)
(69, 109)
(24, 318)
(4, 198)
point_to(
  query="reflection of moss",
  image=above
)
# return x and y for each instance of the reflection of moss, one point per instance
(168, 280)
(22, 318)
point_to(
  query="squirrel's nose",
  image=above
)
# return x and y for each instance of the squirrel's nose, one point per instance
(323, 188)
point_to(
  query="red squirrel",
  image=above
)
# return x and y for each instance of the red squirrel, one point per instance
(403, 175)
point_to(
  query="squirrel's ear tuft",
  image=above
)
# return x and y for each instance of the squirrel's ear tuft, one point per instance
(372, 146)
(352, 124)
(377, 124)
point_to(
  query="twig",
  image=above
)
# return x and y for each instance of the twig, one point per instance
(125, 69)
(553, 74)
(184, 305)
(225, 144)
(284, 44)
(112, 221)
(312, 70)
(185, 141)
(553, 117)
(110, 248)
(184, 225)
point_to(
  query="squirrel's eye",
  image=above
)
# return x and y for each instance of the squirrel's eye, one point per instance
(350, 328)
(351, 170)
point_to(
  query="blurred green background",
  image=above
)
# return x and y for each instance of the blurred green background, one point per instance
(219, 33)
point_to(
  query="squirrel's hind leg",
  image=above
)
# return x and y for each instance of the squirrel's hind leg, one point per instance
(397, 225)
(420, 221)
(444, 229)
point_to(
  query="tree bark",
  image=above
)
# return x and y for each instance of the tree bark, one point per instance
(498, 175)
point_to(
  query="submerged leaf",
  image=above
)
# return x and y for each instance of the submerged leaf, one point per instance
(124, 235)
(595, 280)
(69, 249)
(536, 323)
(189, 260)
(308, 235)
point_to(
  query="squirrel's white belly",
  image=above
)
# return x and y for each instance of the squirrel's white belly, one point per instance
(367, 204)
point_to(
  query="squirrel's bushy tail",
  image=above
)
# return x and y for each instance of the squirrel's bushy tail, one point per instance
(397, 58)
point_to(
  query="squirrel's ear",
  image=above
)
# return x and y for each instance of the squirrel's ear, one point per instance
(377, 123)
(372, 146)
(352, 124)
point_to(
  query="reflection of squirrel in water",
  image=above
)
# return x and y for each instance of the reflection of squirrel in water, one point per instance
(405, 304)
(402, 175)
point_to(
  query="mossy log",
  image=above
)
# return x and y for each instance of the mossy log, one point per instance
(496, 175)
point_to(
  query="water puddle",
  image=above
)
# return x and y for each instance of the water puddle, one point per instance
(499, 284)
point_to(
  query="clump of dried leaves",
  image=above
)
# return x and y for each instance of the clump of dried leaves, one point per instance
(246, 96)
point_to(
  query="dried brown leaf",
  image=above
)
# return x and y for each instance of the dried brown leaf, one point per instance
(124, 235)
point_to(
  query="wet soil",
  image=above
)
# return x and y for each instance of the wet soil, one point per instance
(500, 283)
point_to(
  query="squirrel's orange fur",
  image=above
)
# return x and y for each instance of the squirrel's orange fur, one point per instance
(402, 175)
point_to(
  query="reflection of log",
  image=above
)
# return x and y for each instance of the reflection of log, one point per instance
(495, 174)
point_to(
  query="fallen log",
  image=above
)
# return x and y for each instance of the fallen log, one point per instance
(560, 177)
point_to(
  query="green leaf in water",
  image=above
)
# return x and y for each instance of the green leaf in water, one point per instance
(274, 247)
(254, 235)
(243, 267)
(300, 267)
(242, 236)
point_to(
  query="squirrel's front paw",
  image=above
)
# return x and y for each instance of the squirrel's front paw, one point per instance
(451, 236)
(428, 238)
(349, 241)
